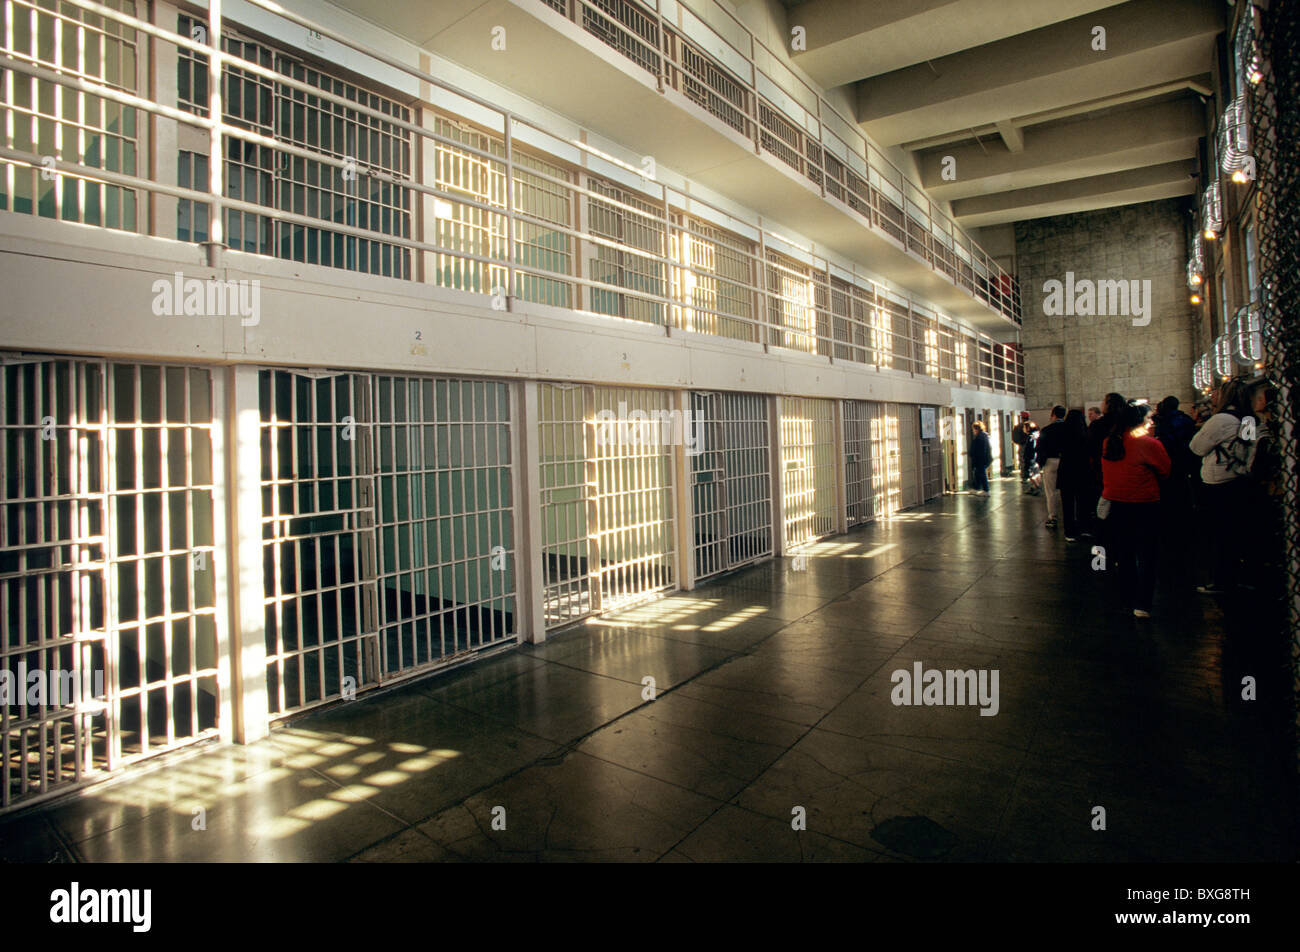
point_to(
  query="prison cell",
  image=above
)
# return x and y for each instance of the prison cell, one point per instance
(859, 471)
(931, 459)
(107, 582)
(715, 280)
(807, 469)
(318, 537)
(886, 465)
(731, 481)
(444, 519)
(387, 528)
(607, 507)
(42, 118)
(565, 484)
(635, 525)
(635, 269)
(909, 455)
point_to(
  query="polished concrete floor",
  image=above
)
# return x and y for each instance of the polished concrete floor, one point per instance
(773, 700)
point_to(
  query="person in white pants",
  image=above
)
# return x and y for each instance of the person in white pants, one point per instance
(1050, 442)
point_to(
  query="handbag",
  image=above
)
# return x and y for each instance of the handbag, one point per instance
(1103, 508)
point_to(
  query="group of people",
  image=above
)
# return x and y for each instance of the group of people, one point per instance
(1128, 479)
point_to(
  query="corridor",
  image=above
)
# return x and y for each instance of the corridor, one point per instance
(772, 692)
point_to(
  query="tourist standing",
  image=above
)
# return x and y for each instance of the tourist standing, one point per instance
(1132, 465)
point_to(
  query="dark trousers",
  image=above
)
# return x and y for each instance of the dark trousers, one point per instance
(979, 478)
(1133, 531)
(1227, 509)
(1073, 513)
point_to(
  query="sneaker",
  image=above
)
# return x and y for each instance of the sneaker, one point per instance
(1050, 523)
(1071, 538)
(1209, 590)
(1139, 613)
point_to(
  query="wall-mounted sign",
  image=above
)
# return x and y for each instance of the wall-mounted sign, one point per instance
(929, 429)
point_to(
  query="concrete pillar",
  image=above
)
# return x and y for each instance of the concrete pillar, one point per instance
(243, 460)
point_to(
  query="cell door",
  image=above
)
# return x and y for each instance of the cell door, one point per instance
(995, 440)
(444, 519)
(931, 465)
(909, 427)
(318, 537)
(807, 469)
(886, 468)
(108, 636)
(859, 474)
(634, 529)
(731, 481)
(566, 484)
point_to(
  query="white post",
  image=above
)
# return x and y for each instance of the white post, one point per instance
(530, 580)
(244, 555)
(216, 145)
(685, 548)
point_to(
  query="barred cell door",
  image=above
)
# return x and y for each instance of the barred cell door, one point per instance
(108, 635)
(859, 481)
(932, 463)
(566, 485)
(807, 469)
(731, 481)
(444, 520)
(882, 421)
(318, 537)
(909, 427)
(607, 505)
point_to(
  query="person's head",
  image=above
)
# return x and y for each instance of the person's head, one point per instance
(1233, 396)
(978, 427)
(1134, 419)
(1168, 406)
(1130, 420)
(1058, 412)
(1074, 423)
(1112, 404)
(1264, 398)
(1093, 414)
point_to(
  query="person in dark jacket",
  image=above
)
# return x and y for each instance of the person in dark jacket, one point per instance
(1048, 455)
(1073, 476)
(981, 455)
(1175, 429)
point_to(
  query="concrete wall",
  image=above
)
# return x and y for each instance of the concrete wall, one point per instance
(1073, 359)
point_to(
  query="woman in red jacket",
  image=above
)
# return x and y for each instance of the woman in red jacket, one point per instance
(1132, 465)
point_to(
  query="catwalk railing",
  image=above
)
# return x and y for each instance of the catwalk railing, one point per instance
(789, 120)
(319, 170)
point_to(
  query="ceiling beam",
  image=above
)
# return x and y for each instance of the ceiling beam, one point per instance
(1148, 42)
(848, 40)
(1086, 194)
(1144, 135)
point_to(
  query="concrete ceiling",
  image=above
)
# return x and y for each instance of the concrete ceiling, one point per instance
(1012, 110)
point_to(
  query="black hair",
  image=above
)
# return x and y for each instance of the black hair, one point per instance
(1129, 418)
(1167, 406)
(1058, 412)
(1075, 425)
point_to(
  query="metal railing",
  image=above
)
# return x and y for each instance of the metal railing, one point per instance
(876, 194)
(499, 218)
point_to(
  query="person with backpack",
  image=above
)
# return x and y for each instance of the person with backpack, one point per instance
(981, 455)
(1225, 453)
(1132, 464)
